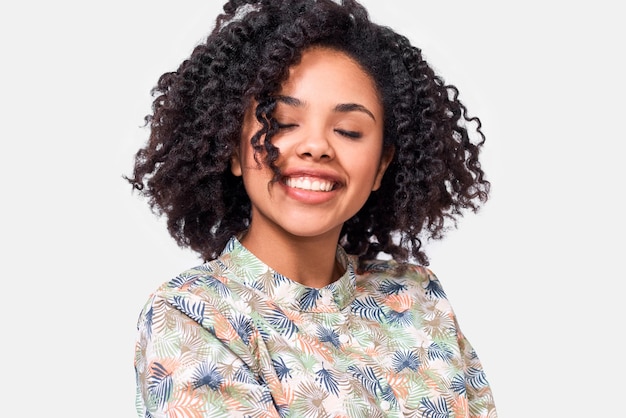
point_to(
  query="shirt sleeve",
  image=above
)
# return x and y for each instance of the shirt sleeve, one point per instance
(479, 395)
(473, 384)
(191, 362)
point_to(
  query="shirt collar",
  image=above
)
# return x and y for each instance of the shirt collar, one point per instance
(247, 268)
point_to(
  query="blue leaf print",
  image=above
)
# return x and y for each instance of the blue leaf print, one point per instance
(244, 375)
(389, 396)
(194, 311)
(435, 351)
(160, 383)
(458, 385)
(266, 397)
(219, 287)
(432, 410)
(434, 289)
(388, 287)
(327, 335)
(282, 371)
(264, 334)
(401, 319)
(309, 299)
(243, 326)
(405, 360)
(283, 410)
(204, 268)
(326, 378)
(279, 278)
(207, 375)
(149, 319)
(368, 309)
(367, 377)
(284, 325)
(476, 378)
(181, 280)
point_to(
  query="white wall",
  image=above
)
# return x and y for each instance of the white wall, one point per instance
(533, 278)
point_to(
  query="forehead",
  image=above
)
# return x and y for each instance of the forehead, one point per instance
(325, 73)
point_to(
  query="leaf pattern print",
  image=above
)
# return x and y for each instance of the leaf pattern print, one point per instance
(367, 377)
(404, 359)
(309, 299)
(279, 278)
(243, 327)
(149, 320)
(326, 378)
(400, 319)
(438, 351)
(284, 325)
(309, 400)
(186, 404)
(182, 280)
(207, 375)
(232, 337)
(327, 335)
(476, 378)
(388, 395)
(160, 383)
(244, 375)
(215, 284)
(434, 289)
(368, 309)
(434, 410)
(194, 311)
(458, 384)
(389, 287)
(282, 370)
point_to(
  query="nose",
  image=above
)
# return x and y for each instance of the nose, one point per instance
(315, 145)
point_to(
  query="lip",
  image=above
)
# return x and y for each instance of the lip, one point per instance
(311, 196)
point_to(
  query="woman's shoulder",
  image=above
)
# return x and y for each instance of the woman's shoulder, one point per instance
(388, 275)
(208, 286)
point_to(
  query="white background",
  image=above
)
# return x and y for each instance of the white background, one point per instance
(533, 277)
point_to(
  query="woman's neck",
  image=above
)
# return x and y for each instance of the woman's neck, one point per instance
(310, 261)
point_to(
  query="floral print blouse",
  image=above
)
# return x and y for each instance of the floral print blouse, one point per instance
(233, 338)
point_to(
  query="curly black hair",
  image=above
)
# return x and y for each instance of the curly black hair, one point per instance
(198, 111)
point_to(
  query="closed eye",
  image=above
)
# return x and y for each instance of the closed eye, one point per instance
(349, 134)
(286, 125)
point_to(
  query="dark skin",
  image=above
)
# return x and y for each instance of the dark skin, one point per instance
(331, 151)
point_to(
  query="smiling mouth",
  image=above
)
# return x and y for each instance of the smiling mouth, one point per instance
(311, 184)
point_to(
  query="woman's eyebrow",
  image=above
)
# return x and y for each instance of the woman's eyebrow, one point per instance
(290, 101)
(354, 107)
(342, 107)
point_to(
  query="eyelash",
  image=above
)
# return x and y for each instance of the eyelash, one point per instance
(348, 134)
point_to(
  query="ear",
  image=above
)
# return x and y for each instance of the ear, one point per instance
(235, 164)
(385, 160)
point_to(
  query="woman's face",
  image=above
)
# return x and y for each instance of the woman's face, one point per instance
(331, 149)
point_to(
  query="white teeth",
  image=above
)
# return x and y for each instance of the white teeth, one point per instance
(304, 183)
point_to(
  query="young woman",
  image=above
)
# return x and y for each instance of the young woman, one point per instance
(295, 146)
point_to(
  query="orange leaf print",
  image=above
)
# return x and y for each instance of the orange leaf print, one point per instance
(293, 316)
(223, 329)
(232, 403)
(460, 406)
(186, 404)
(284, 396)
(398, 385)
(313, 346)
(399, 303)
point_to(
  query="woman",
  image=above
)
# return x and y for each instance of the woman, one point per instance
(298, 133)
